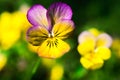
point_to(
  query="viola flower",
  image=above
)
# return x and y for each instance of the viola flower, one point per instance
(94, 49)
(49, 29)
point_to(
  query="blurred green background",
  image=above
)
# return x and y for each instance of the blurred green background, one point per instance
(22, 63)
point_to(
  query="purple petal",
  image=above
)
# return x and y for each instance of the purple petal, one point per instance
(36, 35)
(37, 16)
(58, 11)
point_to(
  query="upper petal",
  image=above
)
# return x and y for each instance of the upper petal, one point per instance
(53, 48)
(58, 11)
(104, 40)
(36, 35)
(36, 15)
(63, 28)
(86, 36)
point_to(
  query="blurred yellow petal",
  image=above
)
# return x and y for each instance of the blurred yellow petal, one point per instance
(5, 21)
(94, 31)
(18, 20)
(91, 61)
(53, 48)
(63, 28)
(3, 60)
(85, 48)
(9, 38)
(86, 37)
(11, 25)
(104, 40)
(57, 72)
(103, 52)
(116, 44)
(98, 63)
(85, 63)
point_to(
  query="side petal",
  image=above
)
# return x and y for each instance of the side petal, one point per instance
(53, 48)
(63, 28)
(104, 40)
(58, 11)
(36, 15)
(103, 52)
(36, 35)
(85, 48)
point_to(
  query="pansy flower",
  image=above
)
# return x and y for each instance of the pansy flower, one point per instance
(94, 49)
(49, 29)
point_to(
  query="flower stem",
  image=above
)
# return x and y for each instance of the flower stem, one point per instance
(36, 66)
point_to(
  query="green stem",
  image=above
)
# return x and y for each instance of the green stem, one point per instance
(36, 66)
(32, 70)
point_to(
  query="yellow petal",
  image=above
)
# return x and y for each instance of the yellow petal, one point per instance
(53, 48)
(86, 63)
(91, 61)
(116, 44)
(103, 52)
(32, 48)
(86, 37)
(8, 41)
(98, 63)
(36, 35)
(94, 31)
(63, 28)
(85, 48)
(57, 72)
(104, 40)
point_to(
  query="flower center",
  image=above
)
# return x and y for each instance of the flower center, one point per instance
(51, 35)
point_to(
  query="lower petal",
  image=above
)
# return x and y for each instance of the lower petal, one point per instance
(91, 61)
(53, 48)
(85, 63)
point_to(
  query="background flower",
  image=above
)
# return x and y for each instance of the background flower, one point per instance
(94, 49)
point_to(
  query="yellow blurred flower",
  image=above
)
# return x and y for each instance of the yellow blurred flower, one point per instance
(57, 72)
(11, 25)
(94, 48)
(116, 46)
(3, 61)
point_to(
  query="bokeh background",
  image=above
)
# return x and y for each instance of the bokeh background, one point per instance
(19, 61)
